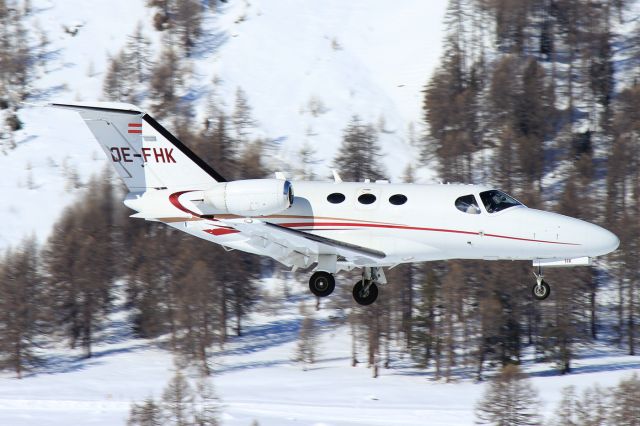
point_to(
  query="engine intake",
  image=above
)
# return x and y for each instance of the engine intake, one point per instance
(251, 197)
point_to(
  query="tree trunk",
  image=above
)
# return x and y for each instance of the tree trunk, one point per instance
(631, 320)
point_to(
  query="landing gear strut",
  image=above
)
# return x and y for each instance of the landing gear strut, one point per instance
(541, 289)
(322, 283)
(365, 291)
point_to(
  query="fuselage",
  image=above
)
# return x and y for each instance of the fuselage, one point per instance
(415, 222)
(331, 226)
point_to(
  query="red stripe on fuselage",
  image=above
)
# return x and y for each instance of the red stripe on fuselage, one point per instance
(415, 228)
(174, 199)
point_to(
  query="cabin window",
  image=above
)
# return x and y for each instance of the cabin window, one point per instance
(495, 201)
(398, 199)
(335, 198)
(367, 199)
(468, 204)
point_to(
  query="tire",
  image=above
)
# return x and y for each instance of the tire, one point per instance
(322, 284)
(542, 291)
(365, 299)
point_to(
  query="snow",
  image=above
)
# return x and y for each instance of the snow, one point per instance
(365, 57)
(359, 57)
(256, 379)
(34, 177)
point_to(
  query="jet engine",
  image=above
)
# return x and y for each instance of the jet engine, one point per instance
(251, 197)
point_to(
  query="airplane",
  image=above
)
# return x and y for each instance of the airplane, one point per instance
(334, 226)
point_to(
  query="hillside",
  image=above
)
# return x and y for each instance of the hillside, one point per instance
(256, 378)
(331, 57)
(133, 298)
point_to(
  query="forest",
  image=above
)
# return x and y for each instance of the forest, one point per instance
(537, 97)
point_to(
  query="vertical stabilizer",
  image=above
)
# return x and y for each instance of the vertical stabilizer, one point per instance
(144, 153)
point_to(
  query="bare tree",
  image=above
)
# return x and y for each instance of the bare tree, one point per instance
(306, 349)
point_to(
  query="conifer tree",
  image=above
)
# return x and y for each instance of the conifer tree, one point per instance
(80, 259)
(358, 156)
(187, 18)
(207, 404)
(509, 400)
(625, 410)
(424, 325)
(241, 118)
(177, 401)
(22, 307)
(164, 83)
(147, 413)
(138, 64)
(116, 82)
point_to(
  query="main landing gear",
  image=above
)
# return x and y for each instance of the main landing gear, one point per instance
(541, 289)
(365, 291)
(322, 283)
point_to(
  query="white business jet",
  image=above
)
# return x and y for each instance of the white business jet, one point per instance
(336, 226)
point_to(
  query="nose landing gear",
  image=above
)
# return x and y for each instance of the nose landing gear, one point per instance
(541, 289)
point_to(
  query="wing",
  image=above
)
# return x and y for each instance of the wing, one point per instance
(299, 248)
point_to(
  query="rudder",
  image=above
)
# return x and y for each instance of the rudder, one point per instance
(144, 153)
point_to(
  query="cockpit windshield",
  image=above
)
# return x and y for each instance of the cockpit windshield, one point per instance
(495, 201)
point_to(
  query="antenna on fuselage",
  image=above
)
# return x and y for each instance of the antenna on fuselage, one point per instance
(336, 176)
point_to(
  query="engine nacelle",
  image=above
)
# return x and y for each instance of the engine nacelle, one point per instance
(251, 197)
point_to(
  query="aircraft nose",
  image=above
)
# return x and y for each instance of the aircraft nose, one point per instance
(600, 241)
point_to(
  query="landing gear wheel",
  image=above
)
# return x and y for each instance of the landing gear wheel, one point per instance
(541, 290)
(365, 294)
(322, 284)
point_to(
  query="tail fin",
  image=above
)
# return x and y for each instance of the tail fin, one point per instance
(143, 152)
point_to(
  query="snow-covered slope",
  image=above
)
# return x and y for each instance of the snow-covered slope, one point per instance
(256, 379)
(37, 177)
(365, 57)
(369, 58)
(337, 58)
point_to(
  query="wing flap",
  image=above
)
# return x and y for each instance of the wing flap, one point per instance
(289, 243)
(338, 245)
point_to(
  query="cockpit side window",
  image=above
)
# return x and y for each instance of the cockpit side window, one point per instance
(495, 201)
(468, 204)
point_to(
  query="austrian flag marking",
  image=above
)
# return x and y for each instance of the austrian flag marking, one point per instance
(134, 128)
